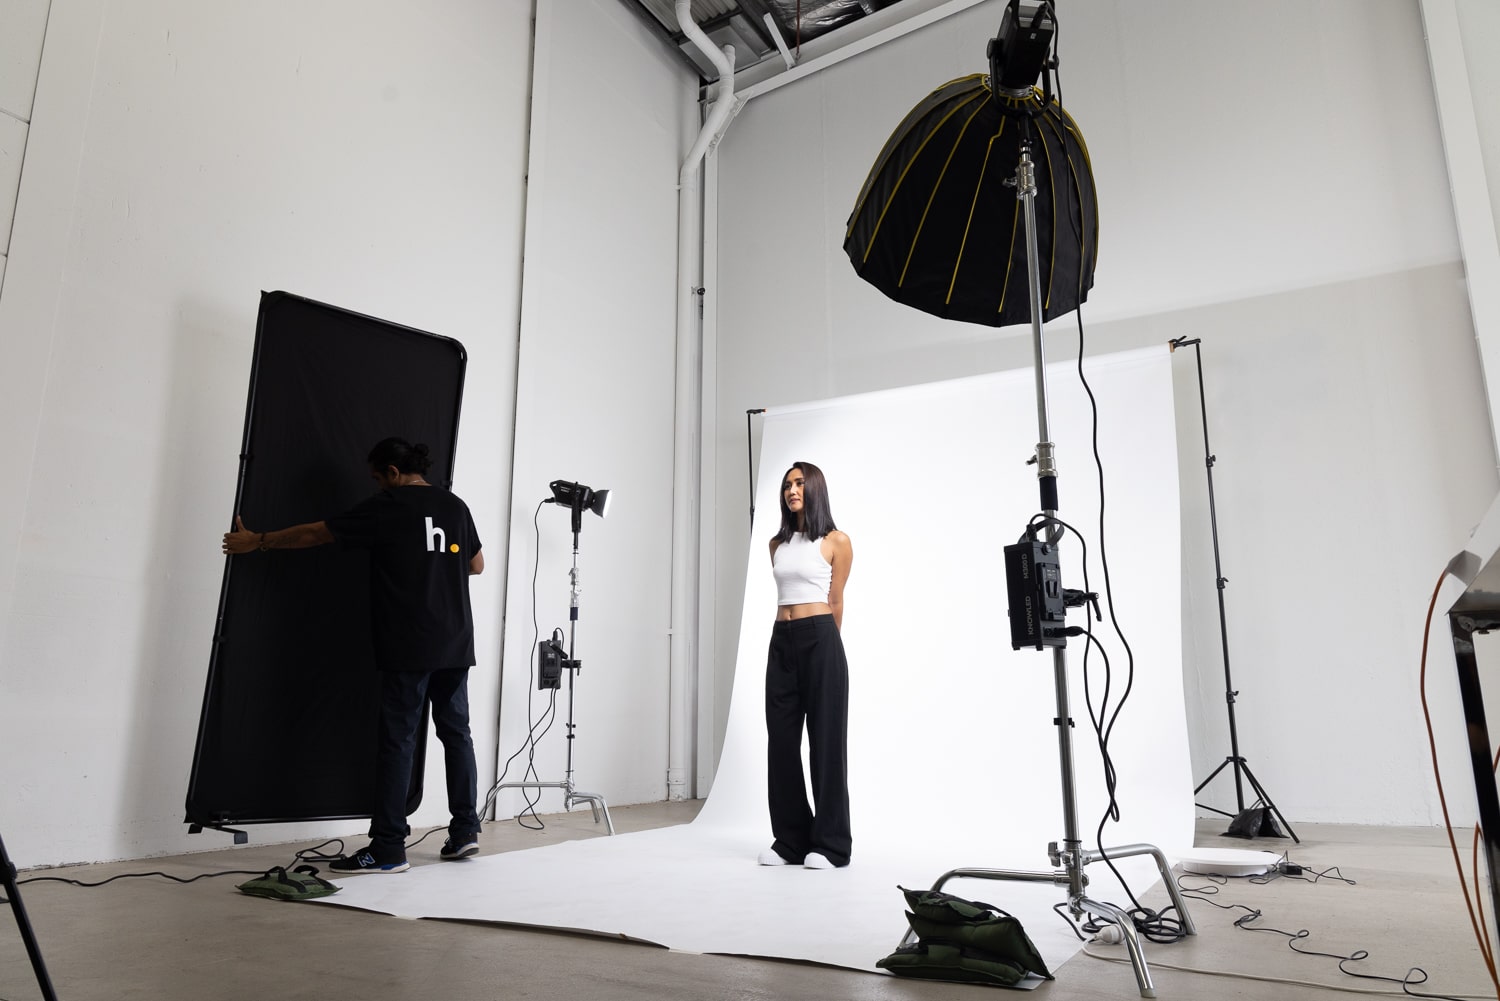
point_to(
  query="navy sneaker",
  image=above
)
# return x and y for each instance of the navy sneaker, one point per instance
(364, 860)
(459, 846)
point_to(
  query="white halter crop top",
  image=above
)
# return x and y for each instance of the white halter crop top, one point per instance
(802, 574)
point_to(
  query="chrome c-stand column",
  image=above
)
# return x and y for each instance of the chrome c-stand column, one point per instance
(1071, 857)
(571, 796)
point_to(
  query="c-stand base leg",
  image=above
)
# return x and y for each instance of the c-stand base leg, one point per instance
(596, 803)
(28, 937)
(1128, 935)
(1163, 868)
(571, 797)
(1078, 903)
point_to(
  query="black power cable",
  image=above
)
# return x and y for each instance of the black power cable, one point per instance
(313, 854)
(1414, 975)
(549, 716)
(1155, 925)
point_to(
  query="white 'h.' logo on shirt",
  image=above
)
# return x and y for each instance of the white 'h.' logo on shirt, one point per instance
(437, 541)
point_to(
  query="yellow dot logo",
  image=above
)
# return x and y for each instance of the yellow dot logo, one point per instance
(453, 548)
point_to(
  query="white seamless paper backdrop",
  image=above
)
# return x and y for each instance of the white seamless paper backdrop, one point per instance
(953, 754)
(950, 730)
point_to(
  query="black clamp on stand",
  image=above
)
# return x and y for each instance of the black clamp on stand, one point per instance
(13, 897)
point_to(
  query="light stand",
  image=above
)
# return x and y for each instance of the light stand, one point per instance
(33, 950)
(577, 498)
(1071, 857)
(1236, 760)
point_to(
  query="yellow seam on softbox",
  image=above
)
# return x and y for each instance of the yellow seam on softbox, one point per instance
(1015, 215)
(918, 152)
(1010, 258)
(969, 222)
(892, 143)
(1088, 163)
(889, 149)
(1083, 237)
(932, 195)
(1052, 190)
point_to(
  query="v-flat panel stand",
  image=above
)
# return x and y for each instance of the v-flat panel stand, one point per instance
(13, 897)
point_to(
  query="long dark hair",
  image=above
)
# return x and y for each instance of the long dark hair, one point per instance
(398, 452)
(817, 514)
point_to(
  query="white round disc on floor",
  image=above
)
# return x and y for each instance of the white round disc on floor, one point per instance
(1228, 861)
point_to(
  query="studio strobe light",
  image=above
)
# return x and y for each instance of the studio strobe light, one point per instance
(550, 662)
(579, 499)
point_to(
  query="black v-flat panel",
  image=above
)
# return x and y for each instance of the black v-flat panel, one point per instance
(287, 731)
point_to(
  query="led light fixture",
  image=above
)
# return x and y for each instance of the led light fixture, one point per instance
(579, 497)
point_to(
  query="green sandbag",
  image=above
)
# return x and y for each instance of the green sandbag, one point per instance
(936, 961)
(963, 940)
(972, 923)
(303, 883)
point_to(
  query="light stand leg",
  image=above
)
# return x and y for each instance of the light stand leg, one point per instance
(1071, 858)
(28, 937)
(1462, 627)
(1237, 760)
(571, 796)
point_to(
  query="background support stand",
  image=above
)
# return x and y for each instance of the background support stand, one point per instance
(34, 951)
(1236, 761)
(750, 456)
(1070, 857)
(571, 796)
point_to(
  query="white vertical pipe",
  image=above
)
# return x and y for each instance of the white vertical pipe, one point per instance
(879, 28)
(707, 719)
(1468, 184)
(686, 468)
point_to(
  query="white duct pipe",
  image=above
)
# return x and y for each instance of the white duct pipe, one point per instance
(686, 466)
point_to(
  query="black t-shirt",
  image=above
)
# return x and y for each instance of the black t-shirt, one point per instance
(420, 539)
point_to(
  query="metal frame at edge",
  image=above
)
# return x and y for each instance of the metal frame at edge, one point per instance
(268, 299)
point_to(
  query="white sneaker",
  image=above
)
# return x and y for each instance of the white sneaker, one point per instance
(816, 861)
(769, 857)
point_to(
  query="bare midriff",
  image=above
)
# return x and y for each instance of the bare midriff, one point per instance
(786, 613)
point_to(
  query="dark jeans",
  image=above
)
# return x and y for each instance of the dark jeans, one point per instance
(807, 679)
(403, 694)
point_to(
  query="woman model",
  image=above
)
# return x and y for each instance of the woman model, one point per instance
(807, 679)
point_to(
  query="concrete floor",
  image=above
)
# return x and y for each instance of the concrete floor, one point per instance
(151, 938)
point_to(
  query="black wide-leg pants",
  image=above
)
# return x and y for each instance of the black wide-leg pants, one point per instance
(807, 680)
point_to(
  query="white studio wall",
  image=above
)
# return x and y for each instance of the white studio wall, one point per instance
(22, 25)
(181, 158)
(1309, 242)
(613, 113)
(1479, 23)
